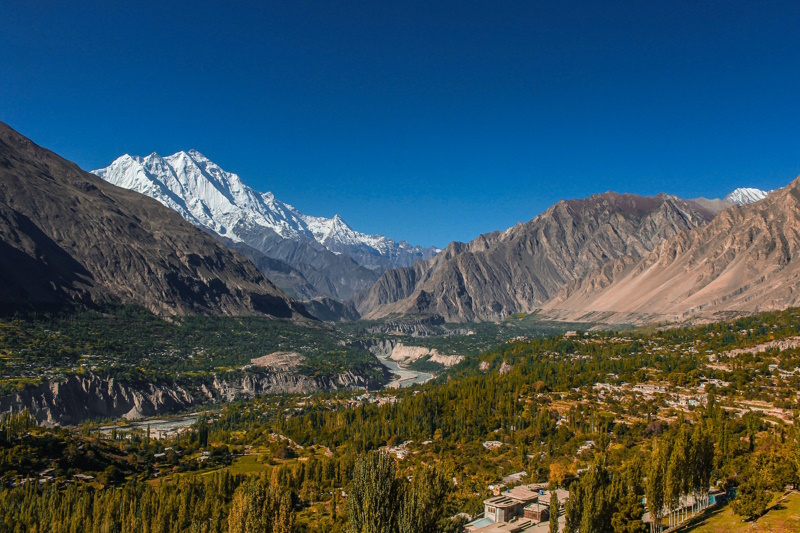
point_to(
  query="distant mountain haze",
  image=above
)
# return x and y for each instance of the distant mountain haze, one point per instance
(66, 236)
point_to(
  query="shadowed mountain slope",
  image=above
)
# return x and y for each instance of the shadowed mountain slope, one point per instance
(68, 236)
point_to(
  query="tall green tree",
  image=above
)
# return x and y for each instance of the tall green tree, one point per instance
(673, 478)
(573, 509)
(702, 463)
(373, 500)
(555, 508)
(259, 507)
(423, 502)
(655, 490)
(598, 506)
(796, 460)
(629, 511)
(753, 496)
(628, 516)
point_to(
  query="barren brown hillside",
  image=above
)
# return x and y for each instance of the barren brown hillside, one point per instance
(746, 260)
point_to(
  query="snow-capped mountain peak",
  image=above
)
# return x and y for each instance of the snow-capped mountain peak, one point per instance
(746, 195)
(208, 196)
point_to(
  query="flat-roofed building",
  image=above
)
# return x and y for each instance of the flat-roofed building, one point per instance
(523, 493)
(517, 509)
(516, 525)
(502, 508)
(544, 497)
(537, 512)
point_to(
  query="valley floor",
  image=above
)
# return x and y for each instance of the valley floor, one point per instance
(588, 412)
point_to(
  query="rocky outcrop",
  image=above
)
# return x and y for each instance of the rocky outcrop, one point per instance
(746, 260)
(380, 348)
(78, 398)
(67, 236)
(407, 355)
(499, 274)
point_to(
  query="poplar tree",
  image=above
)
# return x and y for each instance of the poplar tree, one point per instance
(373, 497)
(655, 486)
(423, 502)
(629, 509)
(702, 463)
(597, 505)
(573, 509)
(554, 510)
(673, 479)
(259, 507)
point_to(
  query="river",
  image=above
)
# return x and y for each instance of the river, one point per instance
(159, 427)
(404, 377)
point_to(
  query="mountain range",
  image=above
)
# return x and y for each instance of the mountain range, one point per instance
(744, 261)
(559, 260)
(502, 273)
(68, 237)
(325, 256)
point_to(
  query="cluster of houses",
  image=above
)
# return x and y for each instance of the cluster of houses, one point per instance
(364, 399)
(672, 396)
(525, 508)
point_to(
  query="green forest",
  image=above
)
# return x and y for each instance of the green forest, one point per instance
(130, 343)
(617, 418)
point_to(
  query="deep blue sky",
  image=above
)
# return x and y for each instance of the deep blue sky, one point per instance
(429, 121)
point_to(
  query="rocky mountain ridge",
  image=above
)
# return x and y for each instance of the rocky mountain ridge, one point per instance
(746, 260)
(68, 237)
(518, 270)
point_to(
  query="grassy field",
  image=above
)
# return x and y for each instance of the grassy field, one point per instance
(783, 517)
(247, 464)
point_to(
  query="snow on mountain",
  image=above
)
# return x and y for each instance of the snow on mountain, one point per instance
(208, 196)
(746, 195)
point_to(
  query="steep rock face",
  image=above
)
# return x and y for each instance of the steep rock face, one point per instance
(400, 283)
(68, 236)
(516, 271)
(407, 355)
(335, 259)
(746, 260)
(79, 398)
